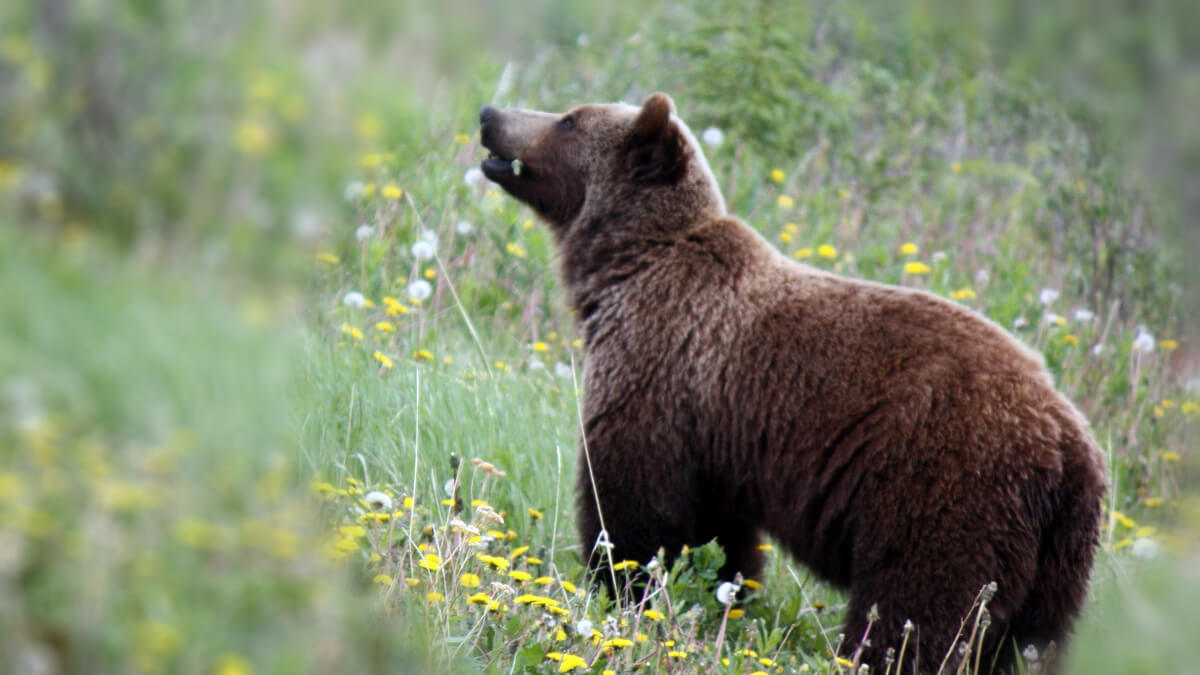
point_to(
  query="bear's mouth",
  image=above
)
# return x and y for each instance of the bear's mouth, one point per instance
(499, 166)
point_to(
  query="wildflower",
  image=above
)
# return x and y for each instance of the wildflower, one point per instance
(434, 596)
(766, 547)
(423, 355)
(785, 237)
(844, 662)
(827, 251)
(352, 531)
(535, 514)
(1145, 547)
(1144, 342)
(956, 167)
(1189, 408)
(751, 584)
(380, 501)
(1084, 315)
(803, 253)
(653, 615)
(737, 613)
(1070, 339)
(584, 627)
(916, 267)
(1048, 296)
(421, 250)
(479, 599)
(354, 299)
(727, 592)
(328, 258)
(473, 176)
(618, 643)
(363, 232)
(908, 248)
(353, 191)
(469, 580)
(562, 370)
(233, 664)
(1169, 345)
(392, 191)
(543, 580)
(464, 228)
(515, 249)
(462, 139)
(676, 654)
(1153, 502)
(570, 662)
(431, 562)
(1171, 456)
(383, 359)
(568, 586)
(1051, 318)
(253, 138)
(420, 290)
(785, 202)
(494, 561)
(964, 293)
(712, 136)
(520, 575)
(382, 579)
(777, 175)
(625, 565)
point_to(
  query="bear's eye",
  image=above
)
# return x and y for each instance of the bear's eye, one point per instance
(565, 124)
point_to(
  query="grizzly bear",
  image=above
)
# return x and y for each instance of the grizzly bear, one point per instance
(903, 447)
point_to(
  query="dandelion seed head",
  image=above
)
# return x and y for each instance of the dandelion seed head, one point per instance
(1144, 342)
(1048, 296)
(420, 290)
(464, 228)
(727, 592)
(354, 299)
(364, 232)
(562, 370)
(354, 191)
(473, 176)
(380, 501)
(422, 250)
(712, 137)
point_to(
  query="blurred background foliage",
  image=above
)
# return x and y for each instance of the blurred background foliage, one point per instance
(175, 369)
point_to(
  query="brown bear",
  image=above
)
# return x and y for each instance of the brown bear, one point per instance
(903, 447)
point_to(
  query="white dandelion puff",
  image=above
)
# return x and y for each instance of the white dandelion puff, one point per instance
(1051, 317)
(1099, 349)
(584, 627)
(713, 137)
(380, 501)
(1019, 322)
(1047, 296)
(1145, 548)
(430, 236)
(1084, 315)
(422, 250)
(420, 290)
(364, 232)
(982, 277)
(1144, 342)
(354, 191)
(354, 299)
(473, 176)
(727, 592)
(464, 228)
(535, 364)
(562, 370)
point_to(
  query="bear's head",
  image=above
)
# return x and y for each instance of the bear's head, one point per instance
(601, 162)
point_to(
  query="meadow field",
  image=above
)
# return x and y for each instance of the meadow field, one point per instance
(286, 386)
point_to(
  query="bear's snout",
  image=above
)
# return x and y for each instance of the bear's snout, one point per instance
(487, 113)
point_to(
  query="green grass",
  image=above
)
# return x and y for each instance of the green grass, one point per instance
(191, 416)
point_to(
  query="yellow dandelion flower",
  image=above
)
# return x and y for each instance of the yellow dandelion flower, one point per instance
(751, 584)
(766, 661)
(352, 531)
(559, 635)
(568, 586)
(368, 126)
(394, 307)
(517, 551)
(469, 580)
(430, 273)
(233, 664)
(1171, 456)
(543, 580)
(916, 267)
(625, 565)
(1168, 345)
(515, 249)
(759, 672)
(1123, 519)
(1148, 531)
(570, 662)
(528, 224)
(369, 189)
(737, 613)
(431, 562)
(908, 248)
(494, 561)
(676, 654)
(462, 139)
(352, 331)
(956, 167)
(844, 662)
(328, 258)
(385, 327)
(535, 514)
(785, 202)
(423, 355)
(382, 359)
(392, 191)
(668, 643)
(785, 237)
(253, 138)
(1060, 321)
(576, 343)
(1070, 339)
(653, 615)
(617, 642)
(520, 575)
(964, 293)
(434, 596)
(777, 175)
(408, 502)
(382, 579)
(803, 253)
(1124, 543)
(1153, 502)
(479, 599)
(827, 251)
(1189, 408)
(412, 582)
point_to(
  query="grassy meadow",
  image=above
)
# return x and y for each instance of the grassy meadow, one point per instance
(287, 387)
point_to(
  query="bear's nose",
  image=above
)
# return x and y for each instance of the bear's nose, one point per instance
(487, 113)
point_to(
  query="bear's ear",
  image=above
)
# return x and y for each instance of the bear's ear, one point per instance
(654, 118)
(655, 149)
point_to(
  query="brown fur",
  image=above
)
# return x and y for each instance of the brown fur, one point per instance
(902, 446)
